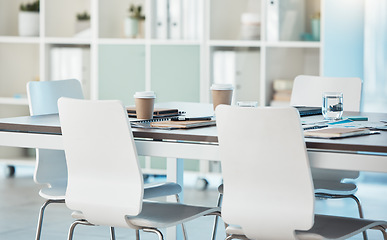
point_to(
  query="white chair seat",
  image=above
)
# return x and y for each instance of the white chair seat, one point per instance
(151, 190)
(333, 227)
(161, 189)
(326, 227)
(334, 187)
(162, 214)
(56, 193)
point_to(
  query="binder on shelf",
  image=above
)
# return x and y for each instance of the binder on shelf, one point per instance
(273, 20)
(175, 19)
(224, 67)
(162, 26)
(190, 19)
(71, 62)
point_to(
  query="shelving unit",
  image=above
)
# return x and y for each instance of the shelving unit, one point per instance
(119, 66)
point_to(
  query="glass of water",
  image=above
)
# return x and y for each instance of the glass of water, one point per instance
(332, 107)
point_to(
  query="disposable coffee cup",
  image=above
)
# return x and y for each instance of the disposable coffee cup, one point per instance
(145, 102)
(221, 94)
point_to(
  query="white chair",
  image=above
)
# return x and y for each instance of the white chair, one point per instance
(272, 160)
(307, 91)
(105, 183)
(51, 168)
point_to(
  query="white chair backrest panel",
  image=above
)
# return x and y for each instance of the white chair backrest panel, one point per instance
(261, 151)
(308, 90)
(51, 167)
(102, 161)
(43, 95)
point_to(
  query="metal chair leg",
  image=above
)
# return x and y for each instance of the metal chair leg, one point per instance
(361, 215)
(383, 230)
(156, 231)
(384, 234)
(360, 209)
(182, 225)
(41, 214)
(137, 234)
(215, 227)
(73, 225)
(112, 233)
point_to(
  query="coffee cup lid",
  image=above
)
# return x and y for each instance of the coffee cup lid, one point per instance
(219, 86)
(145, 94)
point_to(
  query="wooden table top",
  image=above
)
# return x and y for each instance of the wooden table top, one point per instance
(49, 124)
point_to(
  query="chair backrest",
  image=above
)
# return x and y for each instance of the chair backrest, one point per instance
(43, 96)
(268, 189)
(105, 181)
(308, 90)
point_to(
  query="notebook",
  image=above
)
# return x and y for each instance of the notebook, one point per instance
(158, 112)
(182, 124)
(308, 111)
(169, 123)
(331, 132)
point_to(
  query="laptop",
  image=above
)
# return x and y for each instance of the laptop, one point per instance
(308, 111)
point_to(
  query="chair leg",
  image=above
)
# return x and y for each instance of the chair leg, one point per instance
(360, 209)
(215, 227)
(112, 233)
(383, 230)
(182, 225)
(156, 231)
(73, 225)
(137, 234)
(41, 214)
(384, 234)
(361, 215)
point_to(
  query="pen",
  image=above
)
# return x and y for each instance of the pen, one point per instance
(383, 121)
(190, 119)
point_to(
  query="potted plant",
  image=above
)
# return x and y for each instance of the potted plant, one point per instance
(29, 19)
(82, 24)
(133, 21)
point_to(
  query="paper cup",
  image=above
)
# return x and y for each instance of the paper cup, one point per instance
(144, 104)
(221, 94)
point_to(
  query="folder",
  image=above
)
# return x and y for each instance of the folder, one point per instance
(175, 19)
(162, 31)
(273, 20)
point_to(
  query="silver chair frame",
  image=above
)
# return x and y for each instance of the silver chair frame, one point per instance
(41, 215)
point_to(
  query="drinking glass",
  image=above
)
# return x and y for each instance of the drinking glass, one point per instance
(332, 107)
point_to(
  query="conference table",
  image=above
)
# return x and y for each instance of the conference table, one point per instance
(362, 153)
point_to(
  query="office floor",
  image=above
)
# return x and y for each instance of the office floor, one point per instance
(20, 203)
